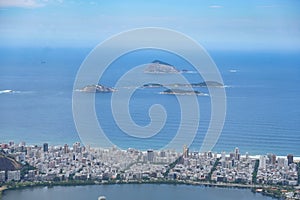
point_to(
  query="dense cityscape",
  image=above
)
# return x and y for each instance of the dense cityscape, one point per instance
(79, 164)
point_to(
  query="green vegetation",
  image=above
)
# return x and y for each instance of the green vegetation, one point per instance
(180, 91)
(20, 185)
(161, 62)
(172, 165)
(298, 166)
(254, 174)
(25, 169)
(275, 193)
(213, 169)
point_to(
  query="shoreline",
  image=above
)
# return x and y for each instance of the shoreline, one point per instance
(276, 191)
(2, 189)
(254, 188)
(254, 155)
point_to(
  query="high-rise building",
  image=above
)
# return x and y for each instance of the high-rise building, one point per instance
(269, 156)
(290, 158)
(223, 156)
(11, 143)
(150, 155)
(273, 159)
(162, 154)
(66, 149)
(209, 154)
(76, 147)
(231, 155)
(2, 176)
(262, 162)
(13, 176)
(236, 153)
(45, 147)
(281, 162)
(28, 151)
(185, 151)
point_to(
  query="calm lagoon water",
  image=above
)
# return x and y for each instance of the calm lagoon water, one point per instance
(133, 192)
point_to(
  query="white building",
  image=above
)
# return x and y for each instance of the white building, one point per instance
(262, 162)
(13, 175)
(2, 176)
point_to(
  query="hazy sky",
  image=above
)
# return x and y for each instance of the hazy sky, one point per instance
(214, 24)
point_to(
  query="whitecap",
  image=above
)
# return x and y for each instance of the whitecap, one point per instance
(6, 91)
(188, 72)
(15, 92)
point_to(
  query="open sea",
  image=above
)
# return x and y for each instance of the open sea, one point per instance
(263, 106)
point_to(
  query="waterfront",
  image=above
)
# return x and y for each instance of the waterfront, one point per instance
(132, 192)
(63, 166)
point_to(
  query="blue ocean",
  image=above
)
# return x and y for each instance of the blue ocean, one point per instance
(263, 110)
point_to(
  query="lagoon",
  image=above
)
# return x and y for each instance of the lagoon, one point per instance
(133, 192)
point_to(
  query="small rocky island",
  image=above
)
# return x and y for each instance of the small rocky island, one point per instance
(97, 89)
(207, 84)
(200, 84)
(152, 85)
(160, 67)
(182, 92)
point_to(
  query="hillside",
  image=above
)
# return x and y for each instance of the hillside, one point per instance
(7, 163)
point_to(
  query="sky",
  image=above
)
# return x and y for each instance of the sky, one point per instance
(215, 24)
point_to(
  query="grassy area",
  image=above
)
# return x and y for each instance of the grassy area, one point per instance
(298, 165)
(172, 165)
(213, 169)
(254, 174)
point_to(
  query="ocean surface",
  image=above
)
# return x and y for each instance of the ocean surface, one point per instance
(132, 192)
(263, 109)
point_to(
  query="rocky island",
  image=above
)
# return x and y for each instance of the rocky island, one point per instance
(182, 92)
(97, 89)
(152, 85)
(207, 84)
(200, 84)
(160, 67)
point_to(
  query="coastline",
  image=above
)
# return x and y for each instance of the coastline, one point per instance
(2, 189)
(255, 188)
(165, 176)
